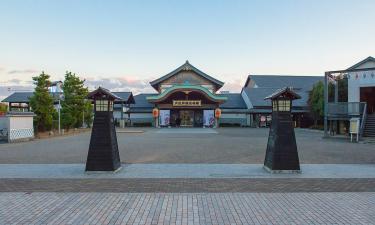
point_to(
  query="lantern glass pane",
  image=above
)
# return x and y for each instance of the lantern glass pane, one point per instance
(274, 105)
(101, 105)
(284, 105)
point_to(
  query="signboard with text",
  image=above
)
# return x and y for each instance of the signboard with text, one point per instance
(187, 103)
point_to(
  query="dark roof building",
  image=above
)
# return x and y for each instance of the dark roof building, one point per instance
(257, 87)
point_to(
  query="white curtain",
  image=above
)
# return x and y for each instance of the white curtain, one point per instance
(208, 118)
(164, 117)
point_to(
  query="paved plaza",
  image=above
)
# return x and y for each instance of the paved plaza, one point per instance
(187, 176)
(224, 145)
(188, 208)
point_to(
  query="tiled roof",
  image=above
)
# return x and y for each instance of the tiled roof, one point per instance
(280, 81)
(266, 85)
(19, 97)
(141, 101)
(234, 101)
(126, 95)
(257, 95)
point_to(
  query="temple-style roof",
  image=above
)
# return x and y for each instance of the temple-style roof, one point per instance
(285, 92)
(103, 92)
(127, 96)
(186, 66)
(175, 88)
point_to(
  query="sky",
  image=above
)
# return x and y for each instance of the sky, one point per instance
(123, 45)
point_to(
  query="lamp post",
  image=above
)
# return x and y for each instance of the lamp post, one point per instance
(103, 152)
(282, 155)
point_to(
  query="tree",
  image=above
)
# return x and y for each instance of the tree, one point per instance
(42, 103)
(3, 108)
(74, 105)
(316, 101)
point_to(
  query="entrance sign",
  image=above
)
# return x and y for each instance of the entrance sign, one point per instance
(354, 128)
(187, 103)
(103, 151)
(208, 118)
(164, 117)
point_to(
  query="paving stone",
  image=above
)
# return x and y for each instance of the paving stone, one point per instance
(187, 208)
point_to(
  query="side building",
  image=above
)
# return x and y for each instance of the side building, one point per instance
(258, 87)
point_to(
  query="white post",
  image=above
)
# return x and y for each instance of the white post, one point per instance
(59, 116)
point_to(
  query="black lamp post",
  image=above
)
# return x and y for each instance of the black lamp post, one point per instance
(282, 154)
(103, 152)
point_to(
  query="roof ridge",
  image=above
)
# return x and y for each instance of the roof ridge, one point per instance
(187, 65)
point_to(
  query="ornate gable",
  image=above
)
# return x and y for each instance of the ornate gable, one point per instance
(186, 74)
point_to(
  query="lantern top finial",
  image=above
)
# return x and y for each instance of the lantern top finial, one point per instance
(103, 93)
(286, 93)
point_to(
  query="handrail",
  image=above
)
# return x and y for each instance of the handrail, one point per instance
(363, 121)
(345, 108)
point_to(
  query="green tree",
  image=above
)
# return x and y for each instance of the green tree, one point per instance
(42, 103)
(74, 105)
(3, 108)
(316, 101)
(88, 113)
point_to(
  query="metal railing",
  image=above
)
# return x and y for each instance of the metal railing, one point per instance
(346, 109)
(363, 121)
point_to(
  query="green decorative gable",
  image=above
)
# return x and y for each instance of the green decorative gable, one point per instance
(175, 88)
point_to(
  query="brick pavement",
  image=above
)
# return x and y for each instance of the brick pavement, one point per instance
(188, 208)
(188, 185)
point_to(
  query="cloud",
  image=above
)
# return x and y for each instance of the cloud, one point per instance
(120, 84)
(233, 86)
(26, 71)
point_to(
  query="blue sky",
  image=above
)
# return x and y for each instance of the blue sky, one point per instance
(125, 44)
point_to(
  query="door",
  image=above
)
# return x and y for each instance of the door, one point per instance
(368, 96)
(187, 118)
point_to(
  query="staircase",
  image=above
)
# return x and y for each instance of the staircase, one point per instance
(369, 130)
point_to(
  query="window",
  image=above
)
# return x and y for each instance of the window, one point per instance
(284, 105)
(101, 105)
(274, 105)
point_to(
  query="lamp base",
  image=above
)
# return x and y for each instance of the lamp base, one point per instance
(281, 171)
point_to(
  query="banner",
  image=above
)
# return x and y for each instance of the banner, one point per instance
(208, 118)
(164, 117)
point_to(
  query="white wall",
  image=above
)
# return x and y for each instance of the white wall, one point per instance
(233, 116)
(140, 115)
(20, 127)
(357, 80)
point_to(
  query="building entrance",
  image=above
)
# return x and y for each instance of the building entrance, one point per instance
(187, 118)
(368, 96)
